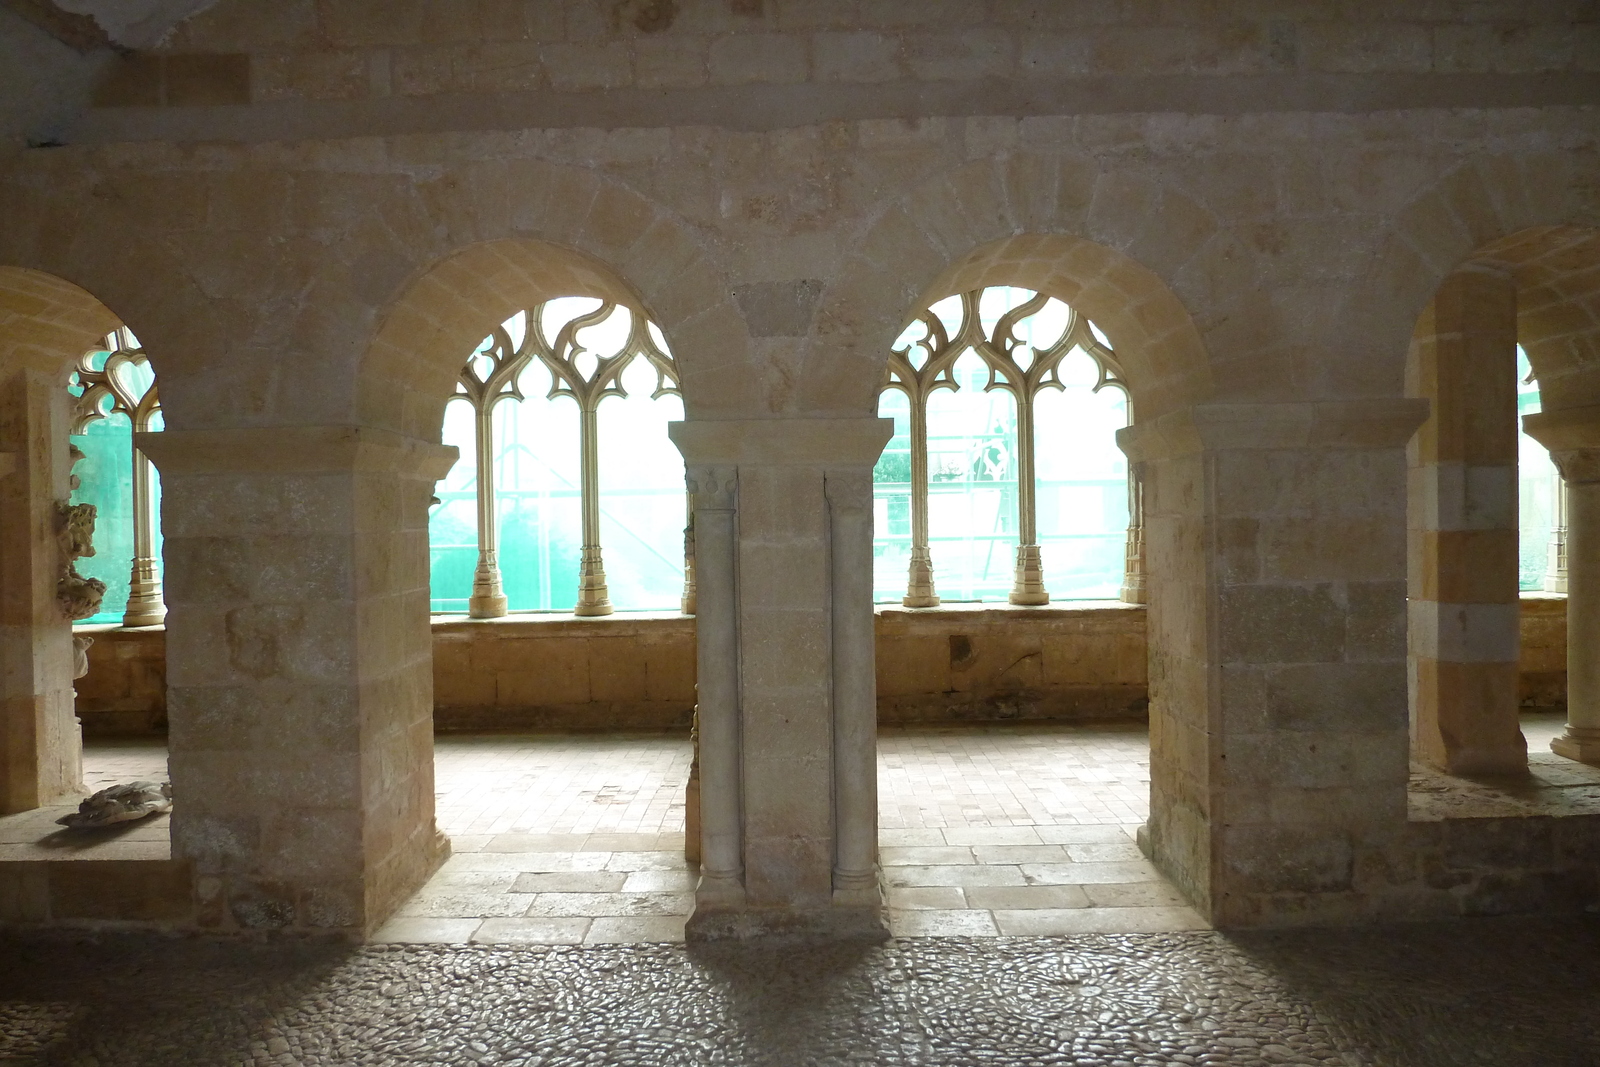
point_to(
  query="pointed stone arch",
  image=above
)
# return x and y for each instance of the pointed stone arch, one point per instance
(568, 232)
(1056, 224)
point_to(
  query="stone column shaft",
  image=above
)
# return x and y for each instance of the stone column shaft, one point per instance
(1573, 438)
(715, 492)
(145, 604)
(1462, 521)
(855, 712)
(488, 599)
(787, 692)
(921, 590)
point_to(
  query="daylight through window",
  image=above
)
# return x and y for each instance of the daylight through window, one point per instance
(578, 458)
(1004, 463)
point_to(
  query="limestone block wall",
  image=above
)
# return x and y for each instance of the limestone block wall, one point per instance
(636, 670)
(967, 664)
(1498, 866)
(332, 202)
(349, 52)
(629, 671)
(1542, 670)
(125, 692)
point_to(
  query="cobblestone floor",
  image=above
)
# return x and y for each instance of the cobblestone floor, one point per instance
(1497, 993)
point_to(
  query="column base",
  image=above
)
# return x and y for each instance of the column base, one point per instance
(486, 607)
(1578, 743)
(858, 922)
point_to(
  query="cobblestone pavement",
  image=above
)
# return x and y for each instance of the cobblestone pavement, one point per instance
(1498, 993)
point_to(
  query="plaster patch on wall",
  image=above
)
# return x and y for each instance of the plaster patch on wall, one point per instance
(778, 309)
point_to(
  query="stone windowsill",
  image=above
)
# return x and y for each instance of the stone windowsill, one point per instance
(977, 612)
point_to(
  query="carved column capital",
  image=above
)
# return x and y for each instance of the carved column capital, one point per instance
(713, 488)
(1573, 437)
(849, 491)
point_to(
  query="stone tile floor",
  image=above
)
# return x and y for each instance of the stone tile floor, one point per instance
(34, 835)
(1495, 993)
(1554, 785)
(571, 839)
(1009, 830)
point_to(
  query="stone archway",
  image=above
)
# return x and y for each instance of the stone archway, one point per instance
(1032, 221)
(46, 323)
(1540, 287)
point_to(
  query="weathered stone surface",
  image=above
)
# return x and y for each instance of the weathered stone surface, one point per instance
(1513, 993)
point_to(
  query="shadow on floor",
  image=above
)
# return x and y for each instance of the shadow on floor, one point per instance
(1507, 993)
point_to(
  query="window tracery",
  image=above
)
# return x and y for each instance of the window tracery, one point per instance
(589, 351)
(1016, 342)
(115, 387)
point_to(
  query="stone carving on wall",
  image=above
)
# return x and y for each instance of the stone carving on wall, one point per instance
(120, 803)
(78, 596)
(80, 655)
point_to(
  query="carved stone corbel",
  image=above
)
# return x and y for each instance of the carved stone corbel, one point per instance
(78, 596)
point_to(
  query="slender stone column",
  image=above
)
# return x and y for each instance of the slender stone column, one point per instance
(787, 689)
(1555, 575)
(1133, 561)
(1027, 586)
(145, 604)
(1573, 438)
(488, 599)
(855, 712)
(920, 589)
(715, 491)
(593, 596)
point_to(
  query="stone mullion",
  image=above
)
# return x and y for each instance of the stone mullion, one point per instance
(855, 762)
(1555, 577)
(593, 597)
(1573, 438)
(1028, 585)
(920, 589)
(488, 600)
(715, 493)
(1133, 591)
(145, 606)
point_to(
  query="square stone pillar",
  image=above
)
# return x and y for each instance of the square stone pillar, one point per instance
(41, 746)
(298, 665)
(1274, 538)
(787, 690)
(1573, 437)
(1462, 530)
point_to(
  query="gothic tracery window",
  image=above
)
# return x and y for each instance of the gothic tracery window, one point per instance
(1542, 499)
(1004, 458)
(562, 426)
(114, 396)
